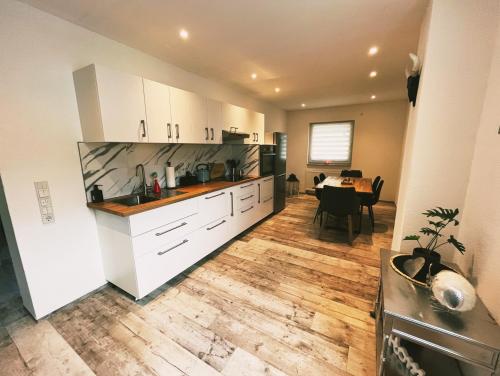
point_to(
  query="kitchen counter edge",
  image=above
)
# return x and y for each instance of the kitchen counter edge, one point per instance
(192, 191)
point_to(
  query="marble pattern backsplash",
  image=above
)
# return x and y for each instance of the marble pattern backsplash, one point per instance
(112, 165)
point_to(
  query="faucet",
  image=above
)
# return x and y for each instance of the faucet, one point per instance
(143, 177)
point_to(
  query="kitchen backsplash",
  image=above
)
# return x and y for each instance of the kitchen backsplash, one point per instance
(112, 165)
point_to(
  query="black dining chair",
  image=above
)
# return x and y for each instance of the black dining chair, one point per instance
(369, 201)
(317, 192)
(340, 202)
(375, 183)
(316, 181)
(322, 177)
(351, 174)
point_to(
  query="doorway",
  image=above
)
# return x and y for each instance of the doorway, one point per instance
(8, 284)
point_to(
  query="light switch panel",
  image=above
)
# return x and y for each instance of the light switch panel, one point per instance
(44, 202)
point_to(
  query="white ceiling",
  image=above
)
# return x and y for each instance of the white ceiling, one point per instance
(314, 50)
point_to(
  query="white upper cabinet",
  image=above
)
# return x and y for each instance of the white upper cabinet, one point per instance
(234, 117)
(111, 105)
(159, 117)
(255, 127)
(189, 116)
(243, 120)
(213, 131)
(120, 107)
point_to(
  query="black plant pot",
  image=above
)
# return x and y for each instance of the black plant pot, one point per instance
(432, 260)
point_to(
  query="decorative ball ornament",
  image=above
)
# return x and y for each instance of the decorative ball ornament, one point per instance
(453, 291)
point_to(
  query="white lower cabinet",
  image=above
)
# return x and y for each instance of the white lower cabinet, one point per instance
(143, 251)
(163, 263)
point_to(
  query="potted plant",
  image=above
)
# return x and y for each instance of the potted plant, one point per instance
(426, 260)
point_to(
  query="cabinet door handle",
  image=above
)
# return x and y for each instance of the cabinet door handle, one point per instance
(257, 136)
(217, 195)
(143, 125)
(259, 194)
(212, 130)
(169, 130)
(217, 225)
(246, 198)
(171, 229)
(244, 211)
(206, 134)
(268, 179)
(177, 131)
(171, 248)
(232, 204)
(246, 186)
(269, 199)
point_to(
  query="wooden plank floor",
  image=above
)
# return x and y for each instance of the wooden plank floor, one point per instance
(283, 299)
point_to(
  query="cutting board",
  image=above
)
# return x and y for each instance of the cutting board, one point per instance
(218, 170)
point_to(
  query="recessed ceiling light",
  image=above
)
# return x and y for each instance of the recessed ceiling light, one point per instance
(373, 74)
(373, 50)
(303, 104)
(373, 96)
(254, 76)
(277, 89)
(183, 33)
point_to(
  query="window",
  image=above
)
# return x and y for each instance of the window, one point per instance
(331, 143)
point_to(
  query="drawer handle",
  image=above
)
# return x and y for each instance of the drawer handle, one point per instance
(171, 229)
(269, 199)
(244, 211)
(171, 248)
(268, 179)
(232, 205)
(246, 198)
(220, 194)
(246, 186)
(214, 226)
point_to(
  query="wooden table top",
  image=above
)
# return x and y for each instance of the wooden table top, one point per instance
(361, 185)
(191, 191)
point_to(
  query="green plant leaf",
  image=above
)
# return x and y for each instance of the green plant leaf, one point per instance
(459, 246)
(429, 231)
(443, 214)
(412, 237)
(438, 224)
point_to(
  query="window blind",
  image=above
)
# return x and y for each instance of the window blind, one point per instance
(330, 142)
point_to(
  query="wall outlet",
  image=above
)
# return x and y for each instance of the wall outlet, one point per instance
(44, 202)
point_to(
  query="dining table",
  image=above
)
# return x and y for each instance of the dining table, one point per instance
(361, 185)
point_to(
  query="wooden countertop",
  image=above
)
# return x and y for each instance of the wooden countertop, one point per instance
(191, 191)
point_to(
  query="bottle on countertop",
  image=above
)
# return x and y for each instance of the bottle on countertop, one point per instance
(96, 194)
(156, 187)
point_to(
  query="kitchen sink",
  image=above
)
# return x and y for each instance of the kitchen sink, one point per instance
(135, 200)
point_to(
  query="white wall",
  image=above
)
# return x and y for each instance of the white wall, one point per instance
(377, 142)
(439, 144)
(480, 228)
(39, 129)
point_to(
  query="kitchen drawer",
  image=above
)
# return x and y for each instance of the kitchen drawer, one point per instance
(245, 189)
(245, 216)
(214, 206)
(155, 218)
(215, 234)
(157, 267)
(267, 207)
(151, 240)
(266, 188)
(246, 200)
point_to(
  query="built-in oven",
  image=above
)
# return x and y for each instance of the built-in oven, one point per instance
(267, 157)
